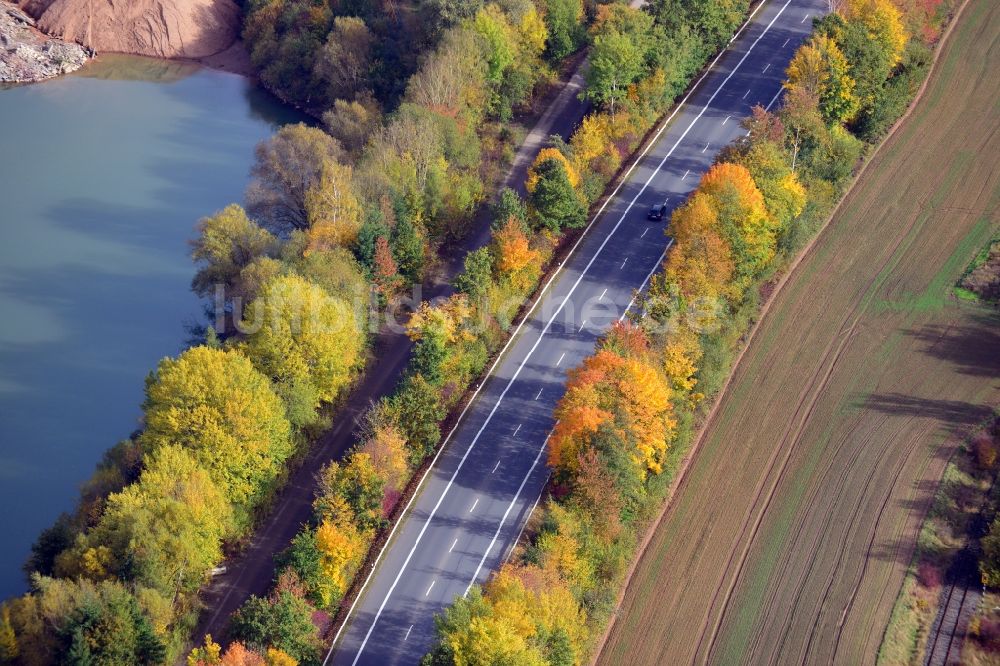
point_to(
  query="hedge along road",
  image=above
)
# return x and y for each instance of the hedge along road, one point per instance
(789, 536)
(474, 500)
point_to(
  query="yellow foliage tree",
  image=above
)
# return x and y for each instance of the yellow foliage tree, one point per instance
(592, 145)
(306, 340)
(214, 403)
(276, 657)
(533, 32)
(551, 153)
(341, 548)
(332, 209)
(884, 22)
(387, 449)
(743, 220)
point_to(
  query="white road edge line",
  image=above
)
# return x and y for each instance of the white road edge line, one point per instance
(525, 524)
(773, 100)
(507, 513)
(600, 211)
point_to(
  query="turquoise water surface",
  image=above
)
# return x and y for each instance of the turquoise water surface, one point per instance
(103, 175)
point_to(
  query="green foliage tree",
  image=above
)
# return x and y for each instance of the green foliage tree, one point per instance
(616, 62)
(509, 204)
(554, 201)
(477, 275)
(284, 621)
(215, 404)
(564, 20)
(418, 411)
(408, 249)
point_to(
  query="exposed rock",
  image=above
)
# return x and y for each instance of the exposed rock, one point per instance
(28, 55)
(159, 28)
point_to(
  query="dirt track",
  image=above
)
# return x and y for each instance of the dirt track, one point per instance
(789, 535)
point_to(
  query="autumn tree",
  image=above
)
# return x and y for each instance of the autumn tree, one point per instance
(287, 167)
(341, 547)
(386, 447)
(784, 194)
(215, 404)
(352, 121)
(165, 531)
(344, 61)
(513, 253)
(820, 69)
(743, 219)
(227, 242)
(700, 262)
(360, 484)
(386, 274)
(83, 622)
(308, 342)
(333, 211)
(626, 392)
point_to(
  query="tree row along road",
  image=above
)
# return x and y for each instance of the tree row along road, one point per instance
(470, 509)
(252, 571)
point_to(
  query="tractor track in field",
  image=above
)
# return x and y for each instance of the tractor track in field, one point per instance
(807, 400)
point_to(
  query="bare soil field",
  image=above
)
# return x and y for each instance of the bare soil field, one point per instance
(788, 538)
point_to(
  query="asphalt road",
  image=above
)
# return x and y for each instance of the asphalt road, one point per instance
(471, 508)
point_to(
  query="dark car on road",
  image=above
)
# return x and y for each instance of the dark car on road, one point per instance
(657, 212)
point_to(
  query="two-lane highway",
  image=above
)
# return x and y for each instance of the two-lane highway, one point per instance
(472, 504)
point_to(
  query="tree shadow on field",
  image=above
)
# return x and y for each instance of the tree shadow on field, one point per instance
(953, 414)
(972, 346)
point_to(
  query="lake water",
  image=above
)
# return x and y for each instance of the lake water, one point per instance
(103, 175)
